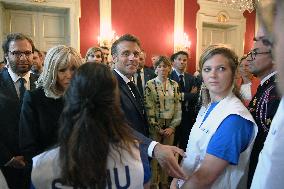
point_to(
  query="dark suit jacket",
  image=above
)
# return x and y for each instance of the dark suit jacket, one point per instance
(262, 107)
(38, 122)
(190, 99)
(10, 108)
(135, 117)
(189, 111)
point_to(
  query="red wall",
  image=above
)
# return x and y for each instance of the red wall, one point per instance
(250, 30)
(190, 11)
(151, 21)
(89, 25)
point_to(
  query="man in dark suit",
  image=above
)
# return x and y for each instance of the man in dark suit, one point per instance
(125, 53)
(188, 89)
(143, 73)
(265, 102)
(14, 80)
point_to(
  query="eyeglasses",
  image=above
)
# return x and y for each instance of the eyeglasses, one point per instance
(252, 54)
(18, 54)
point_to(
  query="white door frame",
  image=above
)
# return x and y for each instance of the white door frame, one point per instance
(74, 13)
(214, 13)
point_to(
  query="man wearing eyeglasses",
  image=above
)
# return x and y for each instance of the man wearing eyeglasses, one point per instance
(14, 80)
(264, 104)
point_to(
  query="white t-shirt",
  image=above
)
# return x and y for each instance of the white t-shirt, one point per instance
(127, 173)
(270, 168)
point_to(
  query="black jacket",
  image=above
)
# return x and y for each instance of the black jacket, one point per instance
(39, 122)
(135, 117)
(10, 108)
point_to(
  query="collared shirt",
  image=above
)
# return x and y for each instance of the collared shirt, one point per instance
(267, 77)
(178, 74)
(126, 80)
(15, 77)
(153, 143)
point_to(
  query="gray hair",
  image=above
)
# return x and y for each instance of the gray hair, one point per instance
(56, 58)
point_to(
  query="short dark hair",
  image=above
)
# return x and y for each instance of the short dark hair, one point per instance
(126, 37)
(14, 37)
(175, 55)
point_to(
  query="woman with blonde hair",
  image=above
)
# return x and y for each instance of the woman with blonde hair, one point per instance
(94, 54)
(163, 107)
(222, 137)
(42, 107)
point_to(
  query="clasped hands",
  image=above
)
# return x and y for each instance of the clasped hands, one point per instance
(166, 132)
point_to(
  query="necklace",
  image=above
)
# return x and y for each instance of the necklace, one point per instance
(164, 92)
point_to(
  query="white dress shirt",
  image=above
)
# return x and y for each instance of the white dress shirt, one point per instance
(15, 77)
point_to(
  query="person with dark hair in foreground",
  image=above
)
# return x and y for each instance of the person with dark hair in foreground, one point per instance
(96, 149)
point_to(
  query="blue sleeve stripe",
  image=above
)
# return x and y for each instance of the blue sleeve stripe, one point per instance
(145, 162)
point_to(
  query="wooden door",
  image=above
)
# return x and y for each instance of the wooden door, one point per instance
(45, 28)
(219, 34)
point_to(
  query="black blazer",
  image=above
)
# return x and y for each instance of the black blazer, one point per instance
(189, 82)
(136, 119)
(38, 122)
(10, 108)
(135, 116)
(262, 107)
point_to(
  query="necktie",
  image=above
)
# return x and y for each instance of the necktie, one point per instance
(136, 94)
(139, 82)
(181, 83)
(22, 88)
